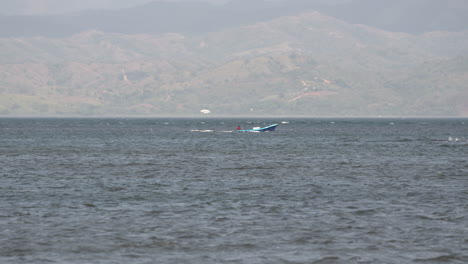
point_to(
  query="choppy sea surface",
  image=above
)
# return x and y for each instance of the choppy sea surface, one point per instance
(190, 191)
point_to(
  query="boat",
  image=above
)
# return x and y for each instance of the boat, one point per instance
(259, 129)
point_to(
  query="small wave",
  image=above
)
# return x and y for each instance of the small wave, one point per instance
(220, 218)
(434, 218)
(247, 168)
(328, 259)
(365, 212)
(438, 140)
(442, 258)
(446, 146)
(114, 188)
(404, 140)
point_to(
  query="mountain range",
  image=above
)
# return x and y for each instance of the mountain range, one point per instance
(281, 62)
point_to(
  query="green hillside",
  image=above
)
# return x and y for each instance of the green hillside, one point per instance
(302, 65)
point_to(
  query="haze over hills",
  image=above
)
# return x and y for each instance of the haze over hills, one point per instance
(301, 64)
(154, 18)
(411, 16)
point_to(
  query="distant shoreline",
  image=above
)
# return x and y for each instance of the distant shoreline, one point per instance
(232, 117)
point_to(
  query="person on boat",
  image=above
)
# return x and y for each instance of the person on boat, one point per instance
(238, 128)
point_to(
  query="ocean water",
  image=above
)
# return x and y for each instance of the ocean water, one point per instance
(190, 191)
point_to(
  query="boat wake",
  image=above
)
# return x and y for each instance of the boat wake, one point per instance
(210, 131)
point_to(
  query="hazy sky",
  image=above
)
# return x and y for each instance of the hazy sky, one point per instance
(30, 7)
(35, 7)
(45, 7)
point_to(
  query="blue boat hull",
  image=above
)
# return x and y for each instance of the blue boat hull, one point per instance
(261, 129)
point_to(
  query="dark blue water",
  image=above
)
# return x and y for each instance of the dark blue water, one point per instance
(155, 191)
